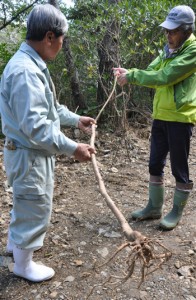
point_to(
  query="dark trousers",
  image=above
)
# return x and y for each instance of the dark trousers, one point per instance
(173, 138)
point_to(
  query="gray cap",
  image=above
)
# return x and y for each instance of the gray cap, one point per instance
(181, 14)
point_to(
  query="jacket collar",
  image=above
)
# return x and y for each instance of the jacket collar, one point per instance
(189, 41)
(34, 55)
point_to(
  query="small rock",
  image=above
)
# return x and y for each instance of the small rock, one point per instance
(185, 271)
(53, 295)
(191, 252)
(143, 295)
(56, 284)
(101, 231)
(78, 263)
(80, 250)
(89, 226)
(5, 261)
(83, 243)
(114, 170)
(69, 278)
(103, 252)
(103, 273)
(177, 264)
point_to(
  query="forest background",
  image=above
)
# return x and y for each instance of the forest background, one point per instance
(102, 34)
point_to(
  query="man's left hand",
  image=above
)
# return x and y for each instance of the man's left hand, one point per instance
(85, 123)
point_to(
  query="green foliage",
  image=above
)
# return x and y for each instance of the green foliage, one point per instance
(140, 41)
(12, 34)
(10, 39)
(15, 11)
(140, 38)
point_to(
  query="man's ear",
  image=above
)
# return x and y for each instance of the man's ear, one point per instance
(49, 36)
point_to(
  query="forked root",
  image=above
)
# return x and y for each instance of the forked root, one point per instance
(142, 248)
(150, 254)
(146, 254)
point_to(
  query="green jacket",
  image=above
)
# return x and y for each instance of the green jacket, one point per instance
(174, 78)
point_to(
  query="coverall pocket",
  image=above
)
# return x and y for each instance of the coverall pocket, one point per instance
(34, 173)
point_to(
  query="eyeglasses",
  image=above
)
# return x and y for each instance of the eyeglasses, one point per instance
(171, 32)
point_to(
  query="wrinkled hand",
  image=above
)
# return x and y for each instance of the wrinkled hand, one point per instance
(120, 73)
(85, 123)
(83, 152)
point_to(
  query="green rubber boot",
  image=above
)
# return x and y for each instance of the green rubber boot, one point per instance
(171, 219)
(153, 210)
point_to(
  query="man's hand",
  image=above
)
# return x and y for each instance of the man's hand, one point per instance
(120, 73)
(85, 123)
(83, 152)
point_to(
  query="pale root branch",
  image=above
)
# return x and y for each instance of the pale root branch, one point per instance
(128, 232)
(107, 101)
(142, 248)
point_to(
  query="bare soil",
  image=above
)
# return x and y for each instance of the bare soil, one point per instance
(84, 233)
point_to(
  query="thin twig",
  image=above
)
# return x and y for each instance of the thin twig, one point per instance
(110, 96)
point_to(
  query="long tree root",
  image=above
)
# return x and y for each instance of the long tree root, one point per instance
(150, 254)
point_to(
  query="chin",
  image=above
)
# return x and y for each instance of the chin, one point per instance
(50, 58)
(171, 46)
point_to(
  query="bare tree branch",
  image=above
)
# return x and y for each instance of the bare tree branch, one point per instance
(54, 3)
(16, 16)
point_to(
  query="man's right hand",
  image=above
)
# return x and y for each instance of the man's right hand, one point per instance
(120, 73)
(83, 152)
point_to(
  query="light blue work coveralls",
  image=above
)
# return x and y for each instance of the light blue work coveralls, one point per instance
(31, 121)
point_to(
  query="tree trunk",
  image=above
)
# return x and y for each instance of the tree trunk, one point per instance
(108, 54)
(73, 75)
(71, 69)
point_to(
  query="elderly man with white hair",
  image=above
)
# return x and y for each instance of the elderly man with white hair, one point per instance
(31, 119)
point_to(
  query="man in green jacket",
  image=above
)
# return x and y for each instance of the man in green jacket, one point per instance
(173, 75)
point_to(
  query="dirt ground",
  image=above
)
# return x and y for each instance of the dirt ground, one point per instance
(84, 233)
